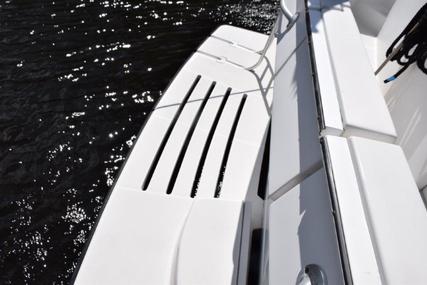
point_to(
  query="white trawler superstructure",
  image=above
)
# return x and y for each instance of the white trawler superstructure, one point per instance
(279, 160)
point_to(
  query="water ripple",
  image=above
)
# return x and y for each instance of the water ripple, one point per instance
(77, 81)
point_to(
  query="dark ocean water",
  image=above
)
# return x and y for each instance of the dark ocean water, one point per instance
(77, 81)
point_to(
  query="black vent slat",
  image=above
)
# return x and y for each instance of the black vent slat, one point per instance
(228, 147)
(167, 135)
(188, 139)
(262, 184)
(208, 143)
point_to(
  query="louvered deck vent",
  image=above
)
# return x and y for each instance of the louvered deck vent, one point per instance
(185, 147)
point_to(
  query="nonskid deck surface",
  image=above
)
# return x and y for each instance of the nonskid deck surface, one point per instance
(183, 206)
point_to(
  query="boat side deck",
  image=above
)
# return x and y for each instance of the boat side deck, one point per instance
(183, 206)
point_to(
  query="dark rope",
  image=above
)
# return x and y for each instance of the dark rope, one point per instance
(412, 45)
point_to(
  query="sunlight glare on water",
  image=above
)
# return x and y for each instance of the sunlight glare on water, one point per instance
(77, 81)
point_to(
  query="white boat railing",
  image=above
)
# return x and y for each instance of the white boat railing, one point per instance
(291, 18)
(288, 15)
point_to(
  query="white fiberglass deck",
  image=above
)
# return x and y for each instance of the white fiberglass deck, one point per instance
(369, 226)
(209, 105)
(182, 207)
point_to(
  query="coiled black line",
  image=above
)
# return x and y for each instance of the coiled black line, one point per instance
(412, 45)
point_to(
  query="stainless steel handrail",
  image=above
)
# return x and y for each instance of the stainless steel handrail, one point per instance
(288, 15)
(291, 21)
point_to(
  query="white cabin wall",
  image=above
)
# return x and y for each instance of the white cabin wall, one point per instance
(379, 23)
(406, 96)
(370, 14)
(407, 102)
